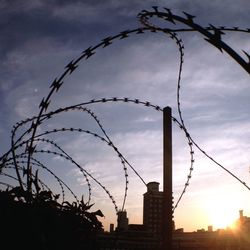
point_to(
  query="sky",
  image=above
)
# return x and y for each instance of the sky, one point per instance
(39, 38)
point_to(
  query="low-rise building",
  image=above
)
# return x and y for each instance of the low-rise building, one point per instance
(148, 236)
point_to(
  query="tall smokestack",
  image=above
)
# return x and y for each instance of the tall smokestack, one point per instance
(167, 180)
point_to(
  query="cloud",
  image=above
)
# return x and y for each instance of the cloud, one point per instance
(84, 12)
(40, 37)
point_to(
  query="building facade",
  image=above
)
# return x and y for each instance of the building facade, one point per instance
(152, 209)
(122, 221)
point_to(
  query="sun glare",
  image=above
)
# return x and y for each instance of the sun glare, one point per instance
(222, 218)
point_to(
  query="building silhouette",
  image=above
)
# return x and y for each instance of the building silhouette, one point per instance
(122, 221)
(158, 231)
(152, 209)
(243, 223)
(147, 236)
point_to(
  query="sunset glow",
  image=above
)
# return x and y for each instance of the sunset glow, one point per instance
(221, 214)
(214, 102)
(221, 219)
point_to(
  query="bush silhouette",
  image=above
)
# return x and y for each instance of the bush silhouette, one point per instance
(40, 222)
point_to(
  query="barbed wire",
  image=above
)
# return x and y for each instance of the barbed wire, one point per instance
(38, 163)
(6, 184)
(211, 34)
(10, 166)
(214, 37)
(109, 142)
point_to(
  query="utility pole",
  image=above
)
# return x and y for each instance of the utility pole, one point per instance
(167, 227)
